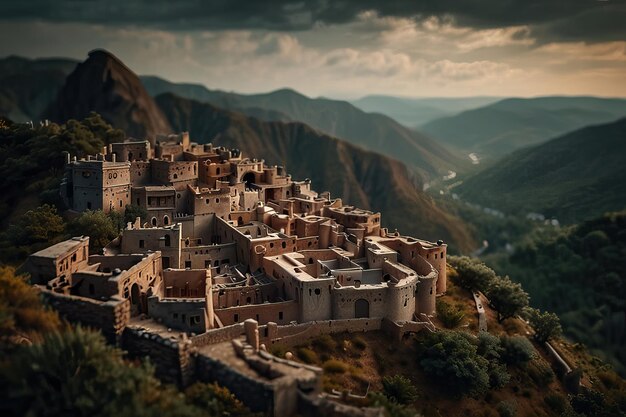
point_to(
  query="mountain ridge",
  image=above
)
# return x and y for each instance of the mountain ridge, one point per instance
(573, 177)
(104, 84)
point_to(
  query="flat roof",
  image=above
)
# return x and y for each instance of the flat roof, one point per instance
(60, 248)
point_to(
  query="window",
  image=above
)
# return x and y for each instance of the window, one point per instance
(74, 257)
(236, 318)
(248, 300)
(141, 243)
(207, 264)
(280, 315)
(194, 319)
(88, 205)
(187, 264)
(154, 221)
(318, 291)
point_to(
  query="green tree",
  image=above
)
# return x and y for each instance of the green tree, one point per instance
(399, 389)
(100, 228)
(40, 225)
(507, 298)
(132, 212)
(451, 357)
(472, 274)
(546, 325)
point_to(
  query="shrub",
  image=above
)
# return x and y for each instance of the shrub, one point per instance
(77, 373)
(541, 373)
(333, 366)
(216, 400)
(399, 389)
(392, 408)
(306, 355)
(450, 316)
(507, 409)
(517, 350)
(556, 402)
(324, 343)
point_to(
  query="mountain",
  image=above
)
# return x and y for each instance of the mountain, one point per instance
(500, 128)
(105, 85)
(362, 178)
(414, 112)
(336, 118)
(28, 86)
(574, 177)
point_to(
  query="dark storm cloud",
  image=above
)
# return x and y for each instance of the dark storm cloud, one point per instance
(588, 20)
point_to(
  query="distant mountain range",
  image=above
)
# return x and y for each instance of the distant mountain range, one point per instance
(367, 179)
(574, 177)
(414, 112)
(27, 87)
(505, 126)
(375, 132)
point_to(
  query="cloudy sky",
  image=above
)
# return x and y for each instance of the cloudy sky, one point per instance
(345, 48)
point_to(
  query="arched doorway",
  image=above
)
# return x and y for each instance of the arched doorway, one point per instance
(248, 179)
(361, 309)
(135, 298)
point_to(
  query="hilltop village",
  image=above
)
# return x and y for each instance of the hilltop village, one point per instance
(234, 256)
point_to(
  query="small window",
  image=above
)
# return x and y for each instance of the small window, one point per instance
(280, 315)
(248, 300)
(187, 264)
(236, 318)
(142, 243)
(207, 264)
(74, 257)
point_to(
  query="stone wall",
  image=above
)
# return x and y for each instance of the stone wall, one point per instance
(218, 335)
(171, 357)
(111, 317)
(256, 394)
(300, 333)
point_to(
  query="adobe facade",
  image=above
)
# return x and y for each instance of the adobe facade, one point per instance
(229, 239)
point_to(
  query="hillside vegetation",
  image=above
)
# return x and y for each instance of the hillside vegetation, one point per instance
(573, 177)
(579, 273)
